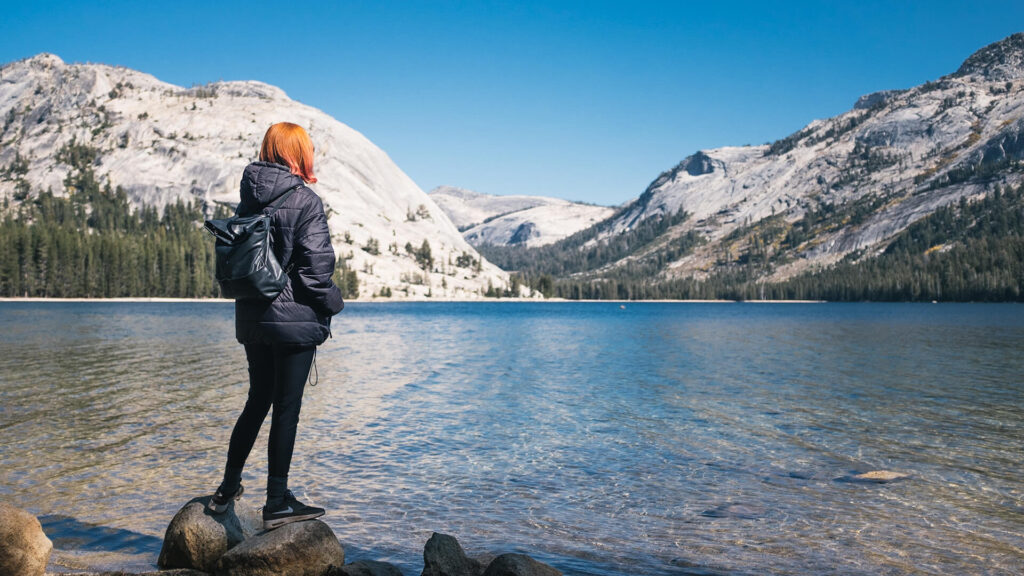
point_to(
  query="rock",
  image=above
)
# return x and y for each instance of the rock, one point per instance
(523, 233)
(485, 559)
(443, 556)
(306, 548)
(691, 568)
(519, 565)
(251, 520)
(869, 101)
(875, 477)
(175, 572)
(365, 568)
(735, 510)
(698, 164)
(24, 549)
(197, 538)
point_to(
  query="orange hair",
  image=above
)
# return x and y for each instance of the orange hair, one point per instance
(289, 145)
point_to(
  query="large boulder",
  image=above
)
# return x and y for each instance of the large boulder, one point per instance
(365, 568)
(175, 572)
(196, 538)
(443, 556)
(24, 549)
(307, 548)
(519, 565)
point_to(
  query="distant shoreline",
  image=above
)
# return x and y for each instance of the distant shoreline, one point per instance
(415, 300)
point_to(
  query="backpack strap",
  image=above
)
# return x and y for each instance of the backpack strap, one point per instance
(273, 208)
(280, 200)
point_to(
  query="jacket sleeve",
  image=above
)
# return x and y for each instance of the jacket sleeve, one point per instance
(314, 261)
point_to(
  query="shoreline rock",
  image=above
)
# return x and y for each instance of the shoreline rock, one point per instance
(200, 543)
(307, 548)
(172, 572)
(365, 568)
(443, 556)
(197, 539)
(519, 565)
(24, 548)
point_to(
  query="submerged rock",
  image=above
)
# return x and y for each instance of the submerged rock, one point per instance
(691, 568)
(197, 538)
(735, 510)
(365, 568)
(24, 549)
(443, 556)
(519, 565)
(306, 548)
(875, 477)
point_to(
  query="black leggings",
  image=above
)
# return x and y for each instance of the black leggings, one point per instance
(277, 377)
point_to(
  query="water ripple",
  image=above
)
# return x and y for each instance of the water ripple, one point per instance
(660, 439)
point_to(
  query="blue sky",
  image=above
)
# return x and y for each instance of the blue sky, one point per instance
(580, 100)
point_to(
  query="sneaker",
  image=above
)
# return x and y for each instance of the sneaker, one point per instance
(288, 511)
(220, 501)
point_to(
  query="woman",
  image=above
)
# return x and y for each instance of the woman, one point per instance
(281, 336)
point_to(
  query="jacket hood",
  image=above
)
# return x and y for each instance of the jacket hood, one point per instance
(262, 183)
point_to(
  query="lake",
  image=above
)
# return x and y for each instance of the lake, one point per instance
(658, 438)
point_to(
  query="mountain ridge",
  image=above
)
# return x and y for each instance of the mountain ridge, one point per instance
(999, 61)
(515, 220)
(839, 187)
(162, 143)
(917, 147)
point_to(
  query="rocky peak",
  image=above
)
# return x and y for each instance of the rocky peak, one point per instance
(45, 60)
(698, 164)
(869, 101)
(999, 61)
(694, 165)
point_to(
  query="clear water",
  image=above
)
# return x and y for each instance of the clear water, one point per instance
(655, 439)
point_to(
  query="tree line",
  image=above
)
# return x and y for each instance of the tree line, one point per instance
(966, 251)
(585, 250)
(91, 243)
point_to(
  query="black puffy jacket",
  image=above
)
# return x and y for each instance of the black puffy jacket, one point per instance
(301, 314)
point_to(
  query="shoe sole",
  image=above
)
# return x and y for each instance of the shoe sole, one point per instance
(278, 522)
(219, 509)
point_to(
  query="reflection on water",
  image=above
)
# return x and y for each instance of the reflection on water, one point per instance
(659, 439)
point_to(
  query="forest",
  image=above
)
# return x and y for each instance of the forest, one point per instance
(91, 243)
(968, 251)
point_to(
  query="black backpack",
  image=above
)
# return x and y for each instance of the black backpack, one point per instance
(246, 266)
